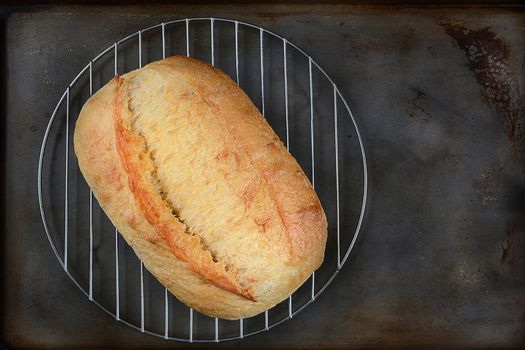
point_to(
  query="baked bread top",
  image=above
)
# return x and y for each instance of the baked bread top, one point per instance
(201, 187)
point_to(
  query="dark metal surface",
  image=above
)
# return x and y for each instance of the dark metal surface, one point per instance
(439, 97)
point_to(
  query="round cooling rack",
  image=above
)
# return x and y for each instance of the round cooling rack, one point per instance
(302, 104)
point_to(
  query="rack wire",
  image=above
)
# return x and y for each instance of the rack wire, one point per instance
(58, 131)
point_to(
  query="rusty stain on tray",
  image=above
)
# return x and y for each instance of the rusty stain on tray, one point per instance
(417, 106)
(488, 57)
(513, 245)
(489, 184)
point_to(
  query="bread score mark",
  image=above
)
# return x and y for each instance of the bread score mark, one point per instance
(155, 209)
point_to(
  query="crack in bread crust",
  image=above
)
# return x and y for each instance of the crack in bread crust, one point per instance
(253, 161)
(184, 244)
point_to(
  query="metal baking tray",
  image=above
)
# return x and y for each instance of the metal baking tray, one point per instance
(438, 94)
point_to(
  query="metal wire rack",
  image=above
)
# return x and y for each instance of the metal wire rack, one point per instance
(303, 105)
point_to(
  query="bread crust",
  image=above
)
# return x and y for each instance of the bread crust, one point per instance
(202, 189)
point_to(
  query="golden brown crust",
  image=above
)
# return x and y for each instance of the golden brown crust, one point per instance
(183, 244)
(200, 186)
(302, 215)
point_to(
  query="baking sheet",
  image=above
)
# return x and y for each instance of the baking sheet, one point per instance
(438, 94)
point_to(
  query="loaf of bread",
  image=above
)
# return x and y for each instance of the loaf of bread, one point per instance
(200, 186)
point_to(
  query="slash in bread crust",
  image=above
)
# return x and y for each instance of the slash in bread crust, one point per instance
(201, 188)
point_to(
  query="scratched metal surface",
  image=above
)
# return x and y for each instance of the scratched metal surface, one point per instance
(439, 95)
